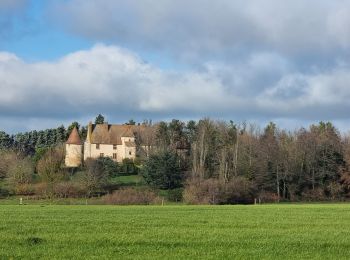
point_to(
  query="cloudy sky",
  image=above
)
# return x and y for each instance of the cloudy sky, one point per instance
(257, 60)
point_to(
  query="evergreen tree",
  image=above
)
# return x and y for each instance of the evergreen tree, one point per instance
(61, 134)
(6, 141)
(162, 171)
(71, 127)
(99, 119)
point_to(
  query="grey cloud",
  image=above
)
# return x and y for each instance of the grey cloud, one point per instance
(203, 29)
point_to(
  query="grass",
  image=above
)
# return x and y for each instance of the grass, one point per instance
(175, 232)
(129, 180)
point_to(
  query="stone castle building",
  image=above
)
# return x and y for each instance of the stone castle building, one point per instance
(103, 140)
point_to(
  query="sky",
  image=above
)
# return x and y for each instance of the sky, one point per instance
(256, 61)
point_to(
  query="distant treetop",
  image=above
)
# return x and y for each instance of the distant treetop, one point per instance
(99, 119)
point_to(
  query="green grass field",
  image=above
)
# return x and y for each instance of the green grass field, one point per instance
(175, 232)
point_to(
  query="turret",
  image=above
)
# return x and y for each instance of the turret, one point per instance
(74, 149)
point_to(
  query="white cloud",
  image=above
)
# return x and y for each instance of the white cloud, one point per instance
(116, 82)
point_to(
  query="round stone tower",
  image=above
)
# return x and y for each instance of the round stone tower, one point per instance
(74, 149)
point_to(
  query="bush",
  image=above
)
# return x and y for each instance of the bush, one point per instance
(314, 195)
(128, 167)
(24, 189)
(162, 171)
(174, 195)
(129, 196)
(42, 190)
(110, 167)
(68, 190)
(214, 191)
(268, 197)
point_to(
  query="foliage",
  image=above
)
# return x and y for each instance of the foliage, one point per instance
(162, 171)
(7, 158)
(95, 177)
(99, 119)
(305, 164)
(49, 167)
(131, 122)
(174, 195)
(68, 189)
(110, 167)
(6, 141)
(131, 196)
(213, 191)
(20, 172)
(128, 167)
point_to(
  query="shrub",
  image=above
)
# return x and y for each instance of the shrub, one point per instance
(68, 189)
(24, 189)
(130, 196)
(214, 191)
(42, 190)
(128, 167)
(268, 197)
(314, 195)
(174, 195)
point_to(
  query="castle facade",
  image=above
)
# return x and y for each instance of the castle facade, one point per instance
(103, 140)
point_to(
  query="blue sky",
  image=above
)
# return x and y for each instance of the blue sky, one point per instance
(260, 61)
(33, 38)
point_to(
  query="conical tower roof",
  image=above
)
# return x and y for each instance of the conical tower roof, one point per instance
(74, 137)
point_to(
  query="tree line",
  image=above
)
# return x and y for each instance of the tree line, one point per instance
(28, 143)
(226, 162)
(204, 161)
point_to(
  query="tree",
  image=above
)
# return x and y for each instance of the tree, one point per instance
(162, 171)
(99, 119)
(110, 167)
(8, 158)
(5, 140)
(95, 177)
(70, 128)
(131, 122)
(49, 166)
(20, 172)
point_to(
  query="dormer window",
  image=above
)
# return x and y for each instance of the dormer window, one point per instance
(114, 147)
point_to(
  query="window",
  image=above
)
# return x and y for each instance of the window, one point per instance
(129, 152)
(114, 147)
(97, 146)
(114, 156)
(102, 155)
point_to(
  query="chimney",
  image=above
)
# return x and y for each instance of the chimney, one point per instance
(89, 132)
